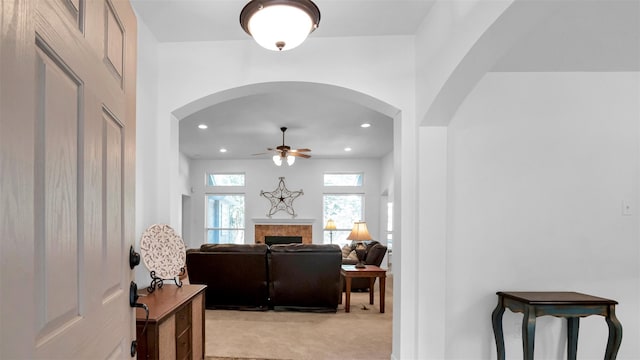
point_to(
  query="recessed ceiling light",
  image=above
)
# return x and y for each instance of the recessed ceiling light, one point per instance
(347, 149)
(223, 150)
(365, 125)
(202, 126)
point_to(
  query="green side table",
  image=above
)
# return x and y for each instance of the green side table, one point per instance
(569, 305)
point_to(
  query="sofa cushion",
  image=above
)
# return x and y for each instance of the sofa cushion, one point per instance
(375, 254)
(346, 250)
(235, 248)
(316, 248)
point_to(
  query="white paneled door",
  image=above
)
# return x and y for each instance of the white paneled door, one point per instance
(67, 138)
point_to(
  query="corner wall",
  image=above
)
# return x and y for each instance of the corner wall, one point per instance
(539, 166)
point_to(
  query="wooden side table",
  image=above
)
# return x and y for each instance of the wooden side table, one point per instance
(569, 305)
(369, 271)
(176, 323)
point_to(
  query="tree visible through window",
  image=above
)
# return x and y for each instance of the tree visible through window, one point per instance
(344, 210)
(343, 179)
(224, 219)
(225, 179)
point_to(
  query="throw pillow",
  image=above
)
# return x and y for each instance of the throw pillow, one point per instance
(345, 251)
(353, 255)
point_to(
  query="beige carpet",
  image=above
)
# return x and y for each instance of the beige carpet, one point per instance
(258, 335)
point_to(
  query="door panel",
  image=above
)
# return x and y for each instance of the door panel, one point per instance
(56, 199)
(112, 202)
(67, 135)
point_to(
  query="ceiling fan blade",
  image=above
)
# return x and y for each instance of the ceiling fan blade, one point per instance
(301, 150)
(297, 154)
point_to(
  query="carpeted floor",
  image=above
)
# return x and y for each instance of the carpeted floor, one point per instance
(364, 333)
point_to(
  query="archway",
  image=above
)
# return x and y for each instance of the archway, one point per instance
(320, 90)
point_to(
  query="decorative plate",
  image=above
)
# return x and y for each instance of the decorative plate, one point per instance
(163, 251)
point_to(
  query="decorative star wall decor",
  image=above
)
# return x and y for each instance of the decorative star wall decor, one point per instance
(281, 199)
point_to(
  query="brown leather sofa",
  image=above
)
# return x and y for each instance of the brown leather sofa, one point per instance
(236, 275)
(305, 277)
(259, 277)
(374, 254)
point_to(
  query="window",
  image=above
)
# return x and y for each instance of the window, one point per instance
(354, 179)
(225, 179)
(344, 210)
(224, 219)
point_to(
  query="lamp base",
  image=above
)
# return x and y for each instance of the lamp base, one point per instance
(360, 253)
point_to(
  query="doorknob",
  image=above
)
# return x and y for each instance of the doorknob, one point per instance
(134, 258)
(133, 302)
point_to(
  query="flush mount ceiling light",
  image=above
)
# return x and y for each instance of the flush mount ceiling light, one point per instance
(279, 24)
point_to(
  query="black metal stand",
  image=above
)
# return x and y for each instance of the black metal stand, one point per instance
(159, 282)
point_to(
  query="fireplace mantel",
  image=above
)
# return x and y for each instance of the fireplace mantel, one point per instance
(283, 227)
(273, 221)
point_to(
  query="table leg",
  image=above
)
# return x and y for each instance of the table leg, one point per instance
(496, 319)
(615, 334)
(528, 331)
(347, 296)
(382, 284)
(573, 325)
(372, 283)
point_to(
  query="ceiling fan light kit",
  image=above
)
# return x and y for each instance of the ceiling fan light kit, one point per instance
(279, 24)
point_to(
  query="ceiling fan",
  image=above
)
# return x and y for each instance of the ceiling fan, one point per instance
(285, 152)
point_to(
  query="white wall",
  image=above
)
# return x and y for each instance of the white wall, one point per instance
(444, 74)
(194, 70)
(263, 175)
(411, 77)
(539, 165)
(379, 67)
(146, 140)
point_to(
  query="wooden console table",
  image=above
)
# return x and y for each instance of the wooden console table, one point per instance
(370, 271)
(176, 323)
(569, 305)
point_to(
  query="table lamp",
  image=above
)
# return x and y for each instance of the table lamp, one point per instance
(331, 225)
(359, 233)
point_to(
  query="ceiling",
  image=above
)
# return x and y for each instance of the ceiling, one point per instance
(599, 35)
(251, 124)
(219, 20)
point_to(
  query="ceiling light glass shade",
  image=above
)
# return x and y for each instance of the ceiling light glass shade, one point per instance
(291, 160)
(279, 24)
(277, 160)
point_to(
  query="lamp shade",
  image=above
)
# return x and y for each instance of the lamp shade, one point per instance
(290, 160)
(279, 24)
(277, 160)
(359, 232)
(331, 225)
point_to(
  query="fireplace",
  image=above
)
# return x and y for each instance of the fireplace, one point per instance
(299, 228)
(271, 240)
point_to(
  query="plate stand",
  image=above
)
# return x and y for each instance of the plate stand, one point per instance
(159, 282)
